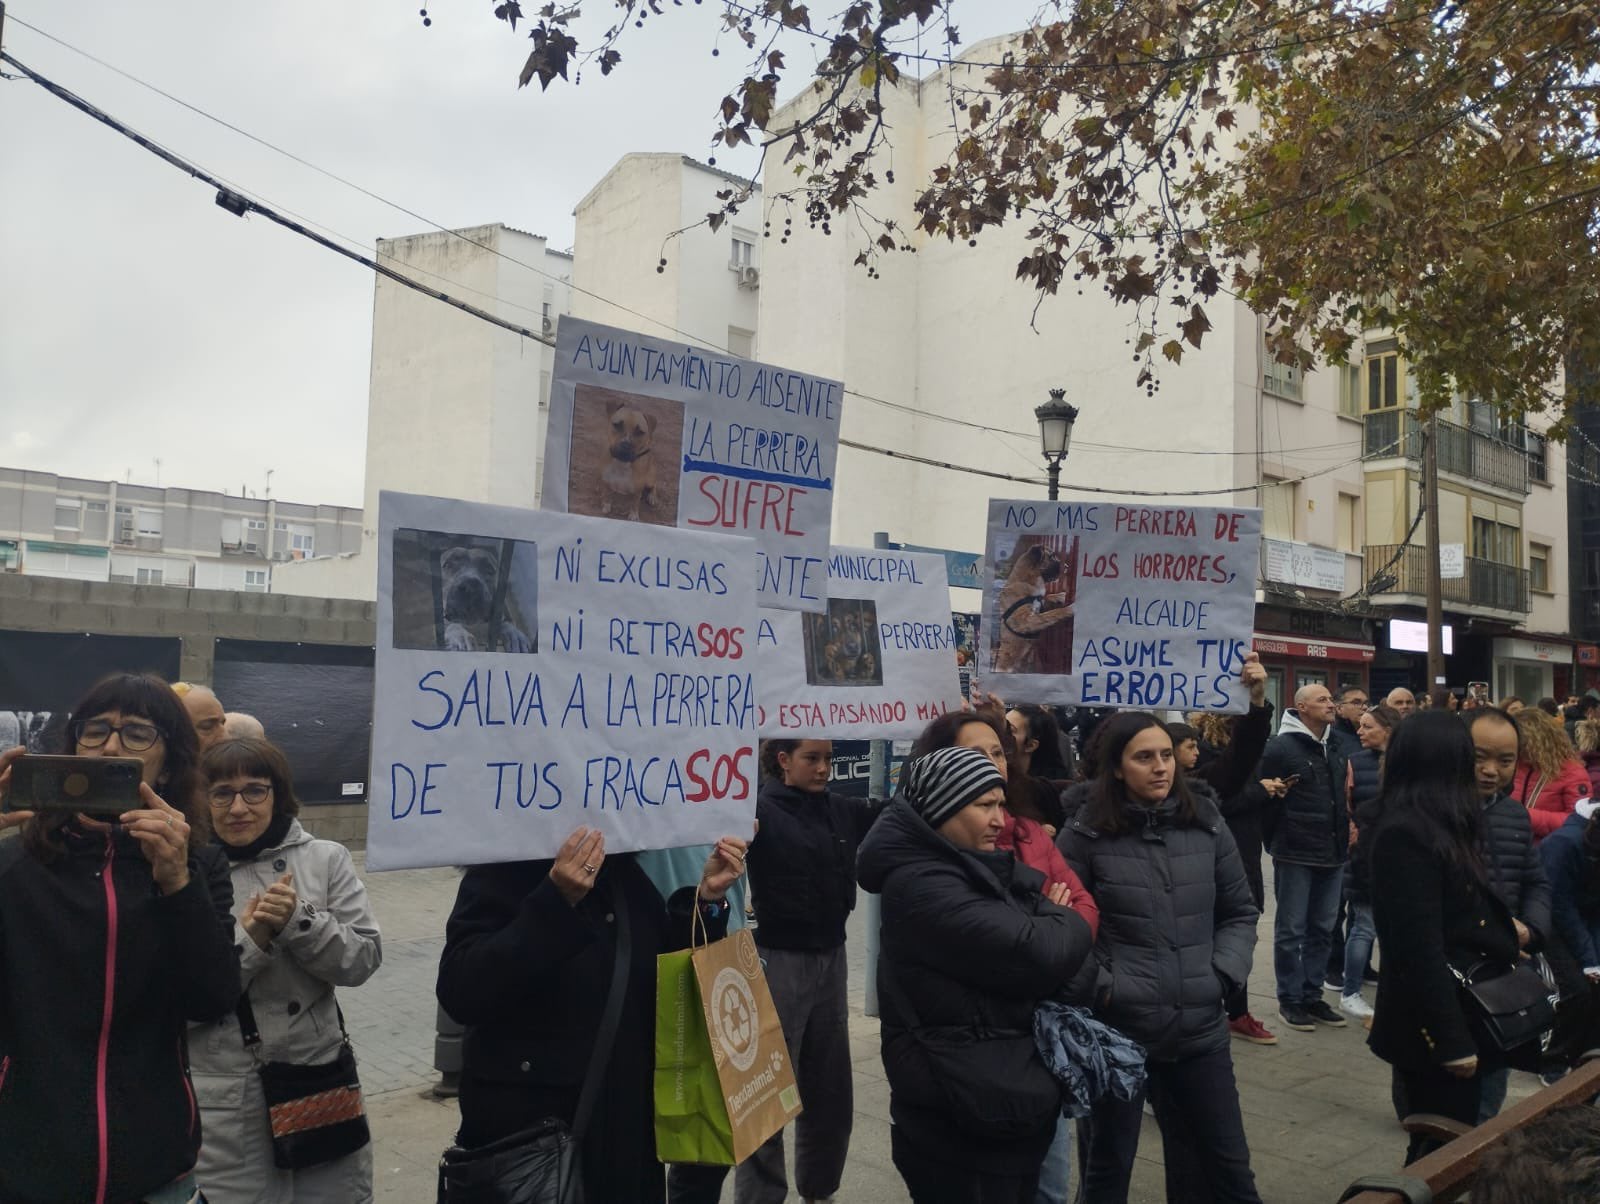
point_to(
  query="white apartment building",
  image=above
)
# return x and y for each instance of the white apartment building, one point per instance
(55, 526)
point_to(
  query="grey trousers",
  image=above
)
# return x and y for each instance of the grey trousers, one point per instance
(810, 992)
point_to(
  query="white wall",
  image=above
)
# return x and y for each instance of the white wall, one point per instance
(211, 573)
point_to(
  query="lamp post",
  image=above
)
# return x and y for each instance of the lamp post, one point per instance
(1055, 417)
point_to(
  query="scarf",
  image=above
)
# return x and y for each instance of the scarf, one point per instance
(276, 831)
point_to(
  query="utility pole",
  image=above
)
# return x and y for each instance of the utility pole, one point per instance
(878, 787)
(1430, 527)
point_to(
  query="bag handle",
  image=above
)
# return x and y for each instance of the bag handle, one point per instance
(606, 1038)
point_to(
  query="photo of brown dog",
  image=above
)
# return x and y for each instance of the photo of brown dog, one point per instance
(1032, 627)
(626, 458)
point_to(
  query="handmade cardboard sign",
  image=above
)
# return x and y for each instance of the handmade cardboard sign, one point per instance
(656, 432)
(879, 663)
(1117, 604)
(537, 672)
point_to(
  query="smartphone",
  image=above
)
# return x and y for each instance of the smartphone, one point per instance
(102, 786)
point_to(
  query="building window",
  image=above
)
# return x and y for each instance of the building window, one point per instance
(744, 248)
(69, 514)
(254, 530)
(1278, 510)
(1349, 533)
(1350, 390)
(95, 507)
(148, 577)
(1383, 381)
(124, 532)
(149, 524)
(301, 546)
(255, 580)
(1495, 542)
(1538, 457)
(741, 342)
(1282, 380)
(1539, 567)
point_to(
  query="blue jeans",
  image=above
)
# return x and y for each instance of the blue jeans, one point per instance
(1358, 946)
(1308, 905)
(1055, 1176)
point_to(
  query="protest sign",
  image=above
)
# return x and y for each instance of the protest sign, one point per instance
(537, 672)
(658, 432)
(1119, 605)
(879, 663)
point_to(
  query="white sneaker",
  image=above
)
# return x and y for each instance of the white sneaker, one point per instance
(1354, 1005)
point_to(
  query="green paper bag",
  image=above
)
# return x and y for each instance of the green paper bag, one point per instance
(718, 1098)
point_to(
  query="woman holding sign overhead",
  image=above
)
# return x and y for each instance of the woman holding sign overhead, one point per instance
(532, 950)
(803, 881)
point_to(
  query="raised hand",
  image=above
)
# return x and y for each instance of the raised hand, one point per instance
(577, 863)
(163, 835)
(723, 867)
(10, 819)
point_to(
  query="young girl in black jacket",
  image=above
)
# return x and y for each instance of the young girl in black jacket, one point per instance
(1433, 907)
(803, 884)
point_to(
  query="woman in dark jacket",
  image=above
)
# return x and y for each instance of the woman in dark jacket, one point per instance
(970, 947)
(1365, 778)
(113, 935)
(527, 964)
(1177, 934)
(803, 883)
(1433, 908)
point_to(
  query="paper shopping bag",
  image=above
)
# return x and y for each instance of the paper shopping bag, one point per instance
(691, 1119)
(724, 1082)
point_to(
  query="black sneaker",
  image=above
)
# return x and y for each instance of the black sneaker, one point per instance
(1319, 1011)
(1297, 1017)
(1334, 981)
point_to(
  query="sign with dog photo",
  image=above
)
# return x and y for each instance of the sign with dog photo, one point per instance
(1119, 604)
(879, 663)
(537, 671)
(650, 431)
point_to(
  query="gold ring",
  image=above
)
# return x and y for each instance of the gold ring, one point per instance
(589, 869)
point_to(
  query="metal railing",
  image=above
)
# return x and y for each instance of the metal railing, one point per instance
(1463, 452)
(1496, 586)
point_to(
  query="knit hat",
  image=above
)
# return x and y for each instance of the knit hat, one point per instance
(946, 780)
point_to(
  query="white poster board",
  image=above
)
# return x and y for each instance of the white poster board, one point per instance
(1113, 604)
(1302, 564)
(878, 664)
(1452, 561)
(663, 433)
(537, 672)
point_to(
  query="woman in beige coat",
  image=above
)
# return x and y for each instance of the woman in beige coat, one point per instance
(303, 927)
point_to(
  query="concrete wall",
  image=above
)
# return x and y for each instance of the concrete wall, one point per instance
(198, 617)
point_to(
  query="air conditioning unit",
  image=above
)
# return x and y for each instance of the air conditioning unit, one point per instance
(547, 326)
(749, 277)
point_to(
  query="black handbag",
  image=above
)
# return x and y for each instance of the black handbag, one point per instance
(541, 1165)
(1507, 1008)
(316, 1112)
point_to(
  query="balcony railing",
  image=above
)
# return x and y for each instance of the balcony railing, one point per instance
(1488, 584)
(1463, 452)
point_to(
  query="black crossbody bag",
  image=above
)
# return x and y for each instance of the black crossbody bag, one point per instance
(316, 1111)
(541, 1165)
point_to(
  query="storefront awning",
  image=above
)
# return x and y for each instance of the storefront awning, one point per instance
(1325, 650)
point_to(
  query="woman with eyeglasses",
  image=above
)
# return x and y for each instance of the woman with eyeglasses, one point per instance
(304, 928)
(112, 938)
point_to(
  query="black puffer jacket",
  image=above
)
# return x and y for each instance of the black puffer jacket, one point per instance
(1429, 915)
(1309, 825)
(970, 948)
(1177, 925)
(99, 975)
(1365, 780)
(1515, 869)
(803, 865)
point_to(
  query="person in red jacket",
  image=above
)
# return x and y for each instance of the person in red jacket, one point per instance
(1550, 779)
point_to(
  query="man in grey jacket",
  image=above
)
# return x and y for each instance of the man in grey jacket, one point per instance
(1308, 837)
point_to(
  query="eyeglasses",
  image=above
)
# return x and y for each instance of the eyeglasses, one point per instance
(136, 737)
(253, 794)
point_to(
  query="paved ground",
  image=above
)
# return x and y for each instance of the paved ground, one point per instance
(1316, 1105)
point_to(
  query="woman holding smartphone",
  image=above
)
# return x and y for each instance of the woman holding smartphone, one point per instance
(112, 938)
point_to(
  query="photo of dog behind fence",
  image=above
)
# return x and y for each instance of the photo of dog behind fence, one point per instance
(1029, 629)
(465, 593)
(842, 644)
(626, 458)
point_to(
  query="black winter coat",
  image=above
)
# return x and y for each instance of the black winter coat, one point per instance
(969, 949)
(1515, 869)
(1366, 779)
(803, 865)
(1429, 915)
(1177, 926)
(1309, 825)
(528, 977)
(66, 927)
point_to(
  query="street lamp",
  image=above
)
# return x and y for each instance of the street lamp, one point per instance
(1055, 434)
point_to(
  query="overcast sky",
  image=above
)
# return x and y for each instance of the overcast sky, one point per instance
(141, 323)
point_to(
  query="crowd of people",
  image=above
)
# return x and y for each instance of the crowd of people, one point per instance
(1067, 934)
